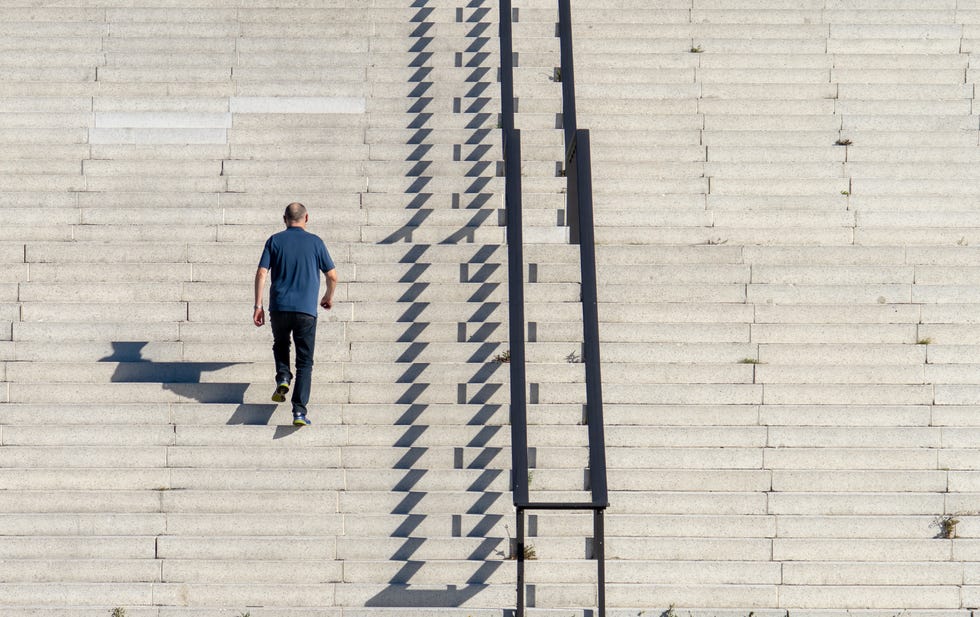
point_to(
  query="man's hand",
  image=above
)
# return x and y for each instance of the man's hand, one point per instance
(258, 317)
(327, 300)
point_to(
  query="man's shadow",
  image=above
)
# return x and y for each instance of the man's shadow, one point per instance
(184, 379)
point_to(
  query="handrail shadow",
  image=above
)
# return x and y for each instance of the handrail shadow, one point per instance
(417, 376)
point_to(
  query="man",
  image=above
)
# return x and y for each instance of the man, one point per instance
(296, 258)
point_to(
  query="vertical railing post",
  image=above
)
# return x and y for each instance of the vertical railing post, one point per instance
(599, 554)
(519, 550)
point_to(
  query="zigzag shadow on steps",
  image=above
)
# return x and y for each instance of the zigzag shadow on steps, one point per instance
(478, 501)
(184, 380)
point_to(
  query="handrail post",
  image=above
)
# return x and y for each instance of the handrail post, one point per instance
(519, 549)
(599, 554)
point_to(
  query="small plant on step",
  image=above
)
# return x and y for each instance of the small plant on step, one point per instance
(670, 612)
(845, 193)
(573, 358)
(946, 526)
(502, 358)
(529, 552)
(843, 142)
(118, 612)
(924, 341)
(749, 361)
(697, 49)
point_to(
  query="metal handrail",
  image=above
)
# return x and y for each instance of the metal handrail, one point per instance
(578, 172)
(579, 175)
(515, 261)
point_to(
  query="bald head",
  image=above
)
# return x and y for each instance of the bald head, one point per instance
(295, 213)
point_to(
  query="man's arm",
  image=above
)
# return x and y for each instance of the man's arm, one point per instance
(331, 276)
(258, 315)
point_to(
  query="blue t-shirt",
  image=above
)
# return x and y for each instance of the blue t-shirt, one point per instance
(296, 258)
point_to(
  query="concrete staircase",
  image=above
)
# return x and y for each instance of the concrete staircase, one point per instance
(786, 215)
(786, 210)
(149, 154)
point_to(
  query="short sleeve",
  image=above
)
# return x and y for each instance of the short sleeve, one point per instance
(266, 260)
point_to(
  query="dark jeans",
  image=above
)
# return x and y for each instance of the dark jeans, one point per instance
(302, 327)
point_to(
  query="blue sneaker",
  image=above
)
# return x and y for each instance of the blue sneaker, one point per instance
(300, 419)
(279, 396)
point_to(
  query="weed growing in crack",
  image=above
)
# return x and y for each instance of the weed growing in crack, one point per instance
(946, 526)
(502, 358)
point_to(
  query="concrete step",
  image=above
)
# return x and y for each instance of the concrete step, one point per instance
(210, 253)
(442, 413)
(161, 479)
(96, 611)
(176, 373)
(237, 435)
